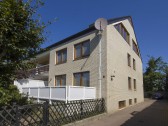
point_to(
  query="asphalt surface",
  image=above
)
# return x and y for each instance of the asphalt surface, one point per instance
(149, 113)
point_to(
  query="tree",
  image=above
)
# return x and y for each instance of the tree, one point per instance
(20, 37)
(166, 79)
(21, 34)
(11, 95)
(154, 75)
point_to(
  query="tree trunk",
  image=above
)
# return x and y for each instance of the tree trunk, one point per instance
(166, 86)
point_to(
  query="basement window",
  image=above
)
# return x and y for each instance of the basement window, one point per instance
(130, 101)
(121, 104)
(135, 100)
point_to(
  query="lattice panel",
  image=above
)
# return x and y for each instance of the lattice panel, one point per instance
(56, 114)
(7, 116)
(31, 115)
(61, 113)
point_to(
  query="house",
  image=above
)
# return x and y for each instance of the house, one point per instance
(75, 61)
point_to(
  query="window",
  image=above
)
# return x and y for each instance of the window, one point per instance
(82, 50)
(130, 101)
(134, 64)
(135, 47)
(82, 79)
(135, 100)
(135, 84)
(60, 80)
(61, 56)
(122, 30)
(121, 104)
(129, 59)
(129, 83)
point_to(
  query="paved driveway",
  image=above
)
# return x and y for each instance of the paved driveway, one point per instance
(148, 113)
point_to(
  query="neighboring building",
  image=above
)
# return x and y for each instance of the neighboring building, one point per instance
(75, 61)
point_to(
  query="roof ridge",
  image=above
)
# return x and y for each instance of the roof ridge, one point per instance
(113, 19)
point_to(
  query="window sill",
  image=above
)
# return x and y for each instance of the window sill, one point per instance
(60, 63)
(81, 58)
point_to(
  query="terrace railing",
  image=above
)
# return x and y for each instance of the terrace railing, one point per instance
(61, 93)
(39, 70)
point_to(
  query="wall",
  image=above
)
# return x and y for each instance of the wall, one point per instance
(117, 65)
(90, 63)
(29, 83)
(114, 63)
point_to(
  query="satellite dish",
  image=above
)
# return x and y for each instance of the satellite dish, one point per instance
(100, 24)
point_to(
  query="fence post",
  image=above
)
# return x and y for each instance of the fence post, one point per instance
(17, 115)
(50, 95)
(38, 91)
(103, 105)
(84, 93)
(81, 104)
(46, 113)
(29, 94)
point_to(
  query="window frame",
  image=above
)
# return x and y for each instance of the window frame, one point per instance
(135, 85)
(121, 29)
(121, 104)
(81, 78)
(81, 50)
(61, 76)
(129, 83)
(130, 101)
(61, 51)
(134, 64)
(129, 59)
(135, 47)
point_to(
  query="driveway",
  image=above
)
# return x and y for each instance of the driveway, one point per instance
(148, 113)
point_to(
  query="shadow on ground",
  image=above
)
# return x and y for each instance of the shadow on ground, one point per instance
(155, 115)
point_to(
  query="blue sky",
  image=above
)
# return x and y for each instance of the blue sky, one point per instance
(149, 17)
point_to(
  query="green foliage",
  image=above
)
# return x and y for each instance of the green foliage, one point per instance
(21, 34)
(154, 76)
(166, 79)
(10, 95)
(149, 94)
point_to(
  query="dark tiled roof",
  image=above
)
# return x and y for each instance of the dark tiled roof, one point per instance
(91, 28)
(113, 20)
(72, 37)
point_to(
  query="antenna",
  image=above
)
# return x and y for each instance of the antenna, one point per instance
(100, 24)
